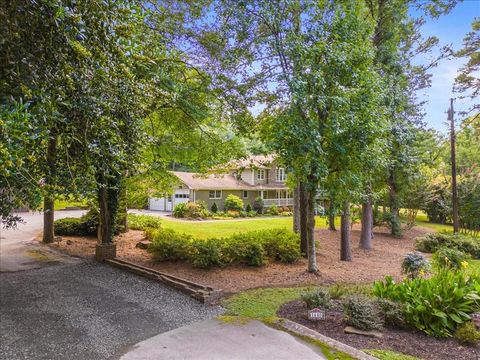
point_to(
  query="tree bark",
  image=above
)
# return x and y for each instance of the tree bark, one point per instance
(366, 234)
(303, 220)
(331, 215)
(395, 227)
(345, 248)
(454, 171)
(108, 199)
(312, 254)
(296, 209)
(48, 201)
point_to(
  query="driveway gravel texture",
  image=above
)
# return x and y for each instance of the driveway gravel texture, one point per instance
(86, 310)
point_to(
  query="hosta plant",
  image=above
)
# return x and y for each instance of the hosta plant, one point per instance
(436, 306)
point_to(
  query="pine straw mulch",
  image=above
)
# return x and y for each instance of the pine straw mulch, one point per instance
(367, 266)
(410, 342)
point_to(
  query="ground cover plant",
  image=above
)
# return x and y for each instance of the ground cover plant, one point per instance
(254, 248)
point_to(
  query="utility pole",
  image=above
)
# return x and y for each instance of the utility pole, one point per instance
(454, 169)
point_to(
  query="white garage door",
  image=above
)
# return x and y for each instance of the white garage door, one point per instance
(157, 204)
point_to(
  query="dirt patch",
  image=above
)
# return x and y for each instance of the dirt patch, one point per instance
(405, 341)
(384, 259)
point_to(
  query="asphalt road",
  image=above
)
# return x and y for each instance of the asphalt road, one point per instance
(53, 306)
(86, 311)
(18, 250)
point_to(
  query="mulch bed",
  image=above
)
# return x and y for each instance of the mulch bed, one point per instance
(367, 266)
(409, 342)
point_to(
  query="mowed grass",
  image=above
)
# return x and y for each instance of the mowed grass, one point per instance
(422, 220)
(222, 228)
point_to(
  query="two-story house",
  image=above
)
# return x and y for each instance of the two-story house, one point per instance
(257, 176)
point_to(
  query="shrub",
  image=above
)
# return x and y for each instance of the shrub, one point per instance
(248, 208)
(206, 253)
(233, 202)
(393, 313)
(191, 210)
(253, 248)
(168, 244)
(467, 333)
(339, 290)
(247, 248)
(450, 258)
(273, 210)
(194, 210)
(214, 208)
(232, 213)
(436, 305)
(258, 205)
(414, 265)
(362, 313)
(252, 213)
(143, 222)
(281, 244)
(86, 225)
(319, 297)
(432, 242)
(68, 226)
(180, 210)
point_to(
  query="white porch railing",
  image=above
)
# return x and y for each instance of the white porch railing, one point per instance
(278, 202)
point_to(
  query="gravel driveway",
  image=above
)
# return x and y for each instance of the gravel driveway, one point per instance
(86, 310)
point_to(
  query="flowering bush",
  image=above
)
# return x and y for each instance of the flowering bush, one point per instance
(414, 265)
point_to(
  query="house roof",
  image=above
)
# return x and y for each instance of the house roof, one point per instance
(255, 161)
(195, 181)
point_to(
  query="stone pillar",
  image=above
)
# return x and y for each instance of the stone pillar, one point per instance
(105, 251)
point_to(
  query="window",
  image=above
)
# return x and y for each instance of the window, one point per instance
(280, 174)
(215, 194)
(245, 194)
(182, 196)
(260, 174)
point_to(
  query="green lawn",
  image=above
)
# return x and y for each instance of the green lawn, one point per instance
(62, 204)
(222, 228)
(422, 220)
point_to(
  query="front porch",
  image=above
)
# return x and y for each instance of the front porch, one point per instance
(276, 197)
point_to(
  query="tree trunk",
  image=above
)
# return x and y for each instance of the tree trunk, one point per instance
(312, 254)
(396, 229)
(331, 215)
(345, 248)
(303, 220)
(48, 201)
(108, 199)
(367, 225)
(296, 209)
(48, 219)
(454, 170)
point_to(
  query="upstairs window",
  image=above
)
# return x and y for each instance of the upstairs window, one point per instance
(215, 194)
(260, 174)
(280, 174)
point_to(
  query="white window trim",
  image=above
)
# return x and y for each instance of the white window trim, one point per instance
(278, 172)
(215, 194)
(262, 172)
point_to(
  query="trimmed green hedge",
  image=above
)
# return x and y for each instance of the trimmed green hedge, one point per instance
(433, 242)
(253, 248)
(86, 225)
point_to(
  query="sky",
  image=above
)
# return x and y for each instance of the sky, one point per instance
(450, 29)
